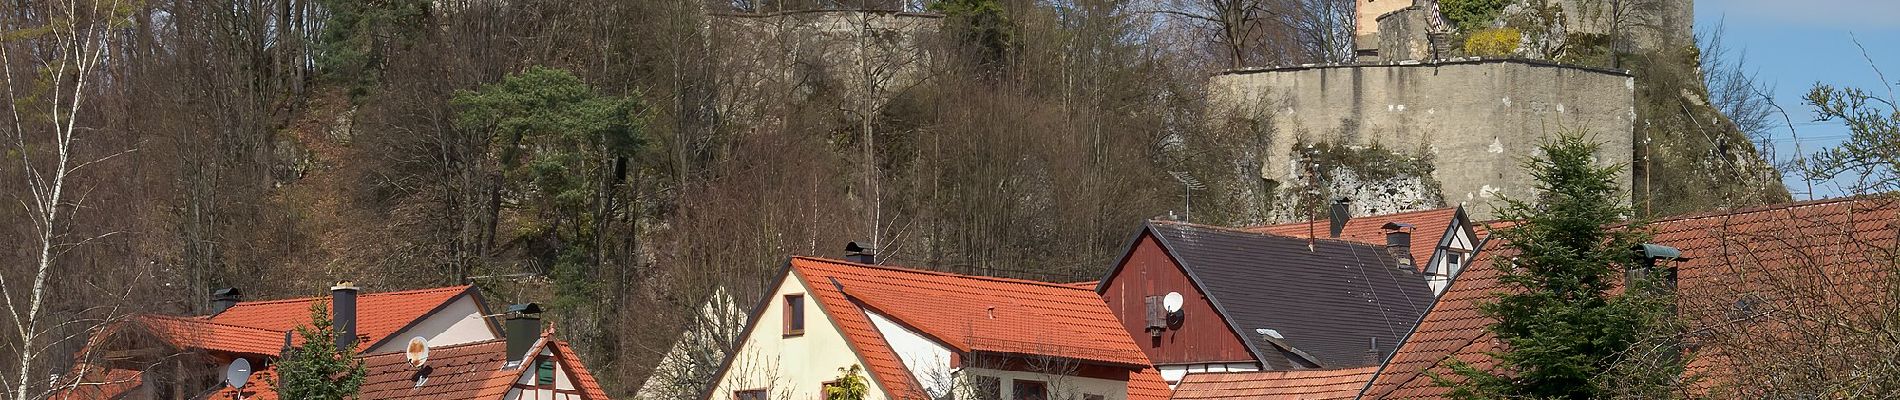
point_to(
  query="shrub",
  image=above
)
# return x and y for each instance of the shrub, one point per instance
(1499, 42)
(1472, 15)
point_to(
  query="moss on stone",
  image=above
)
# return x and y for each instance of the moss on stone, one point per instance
(1376, 179)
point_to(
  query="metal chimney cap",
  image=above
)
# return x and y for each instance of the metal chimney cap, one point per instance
(1651, 251)
(525, 308)
(854, 247)
(1395, 225)
(344, 285)
(230, 291)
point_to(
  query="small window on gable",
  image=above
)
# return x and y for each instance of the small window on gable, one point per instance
(544, 372)
(794, 314)
(1453, 261)
(1023, 389)
(754, 394)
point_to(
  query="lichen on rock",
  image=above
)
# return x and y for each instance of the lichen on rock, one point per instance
(1372, 178)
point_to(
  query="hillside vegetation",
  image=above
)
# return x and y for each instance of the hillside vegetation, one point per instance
(620, 159)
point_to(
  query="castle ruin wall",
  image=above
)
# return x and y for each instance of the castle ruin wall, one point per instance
(1477, 119)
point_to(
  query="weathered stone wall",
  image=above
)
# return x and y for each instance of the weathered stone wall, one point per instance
(1476, 119)
(1366, 25)
(1404, 35)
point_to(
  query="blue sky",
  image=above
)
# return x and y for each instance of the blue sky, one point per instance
(1794, 43)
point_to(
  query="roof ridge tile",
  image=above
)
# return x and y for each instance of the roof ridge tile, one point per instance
(945, 274)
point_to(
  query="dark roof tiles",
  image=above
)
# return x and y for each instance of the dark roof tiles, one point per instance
(1333, 300)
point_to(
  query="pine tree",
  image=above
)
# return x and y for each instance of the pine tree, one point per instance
(1566, 332)
(318, 369)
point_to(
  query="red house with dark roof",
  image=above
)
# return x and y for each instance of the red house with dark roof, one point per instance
(1204, 299)
(163, 356)
(925, 335)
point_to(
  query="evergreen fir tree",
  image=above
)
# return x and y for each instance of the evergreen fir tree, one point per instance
(1566, 332)
(318, 369)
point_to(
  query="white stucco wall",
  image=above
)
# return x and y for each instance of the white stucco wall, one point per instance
(1172, 374)
(460, 322)
(790, 367)
(1456, 240)
(529, 377)
(927, 360)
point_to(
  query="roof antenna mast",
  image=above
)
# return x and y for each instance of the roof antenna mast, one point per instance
(1189, 185)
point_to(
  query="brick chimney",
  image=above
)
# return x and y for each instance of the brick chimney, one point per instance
(343, 313)
(1398, 243)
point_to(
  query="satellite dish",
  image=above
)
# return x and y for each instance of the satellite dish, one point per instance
(418, 351)
(1172, 302)
(238, 373)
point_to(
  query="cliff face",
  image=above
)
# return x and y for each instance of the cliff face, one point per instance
(1689, 157)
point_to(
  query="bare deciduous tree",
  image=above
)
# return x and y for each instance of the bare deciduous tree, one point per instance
(51, 75)
(1734, 89)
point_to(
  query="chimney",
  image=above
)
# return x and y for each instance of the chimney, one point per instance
(1398, 242)
(343, 313)
(857, 253)
(1652, 257)
(223, 299)
(523, 328)
(1342, 212)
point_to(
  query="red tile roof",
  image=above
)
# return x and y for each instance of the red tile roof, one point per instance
(257, 329)
(1147, 385)
(96, 383)
(583, 378)
(967, 313)
(378, 315)
(1453, 327)
(454, 372)
(1300, 384)
(256, 388)
(1090, 285)
(193, 333)
(463, 371)
(1730, 253)
(1428, 228)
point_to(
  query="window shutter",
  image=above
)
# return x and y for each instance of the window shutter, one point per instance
(1156, 316)
(544, 372)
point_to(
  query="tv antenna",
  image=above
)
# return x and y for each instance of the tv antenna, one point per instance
(1189, 185)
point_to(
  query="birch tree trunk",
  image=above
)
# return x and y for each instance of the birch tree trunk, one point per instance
(72, 36)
